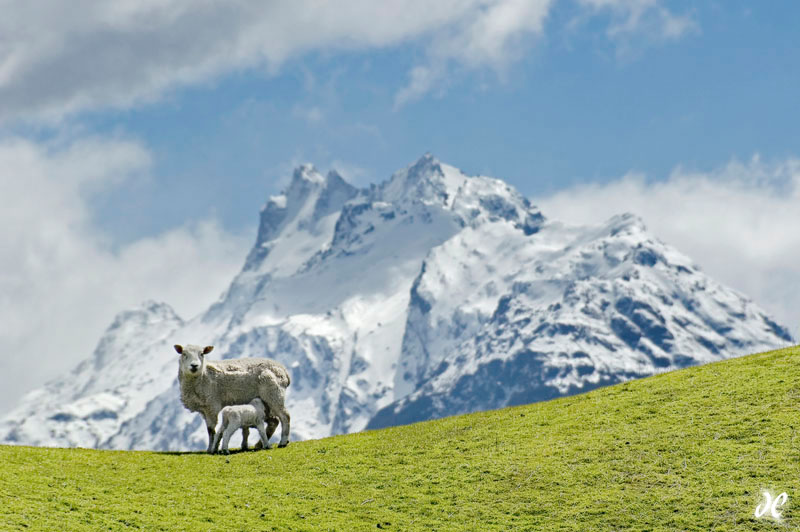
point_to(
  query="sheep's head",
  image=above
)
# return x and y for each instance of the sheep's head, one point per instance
(192, 358)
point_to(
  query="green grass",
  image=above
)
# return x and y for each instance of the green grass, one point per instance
(687, 450)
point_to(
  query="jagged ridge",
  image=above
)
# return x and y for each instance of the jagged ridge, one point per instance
(430, 294)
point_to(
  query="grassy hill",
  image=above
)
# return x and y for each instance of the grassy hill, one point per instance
(687, 450)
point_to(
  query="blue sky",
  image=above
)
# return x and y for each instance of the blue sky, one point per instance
(576, 106)
(139, 139)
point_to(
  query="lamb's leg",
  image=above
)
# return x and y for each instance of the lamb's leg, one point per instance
(227, 436)
(264, 438)
(272, 424)
(245, 435)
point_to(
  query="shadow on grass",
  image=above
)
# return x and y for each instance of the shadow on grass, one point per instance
(182, 453)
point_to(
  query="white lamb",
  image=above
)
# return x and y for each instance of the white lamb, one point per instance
(207, 387)
(238, 417)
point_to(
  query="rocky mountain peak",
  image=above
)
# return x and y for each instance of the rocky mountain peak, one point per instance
(423, 180)
(626, 223)
(306, 173)
(309, 198)
(430, 294)
(141, 320)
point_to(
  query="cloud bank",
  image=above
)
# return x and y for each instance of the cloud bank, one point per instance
(61, 282)
(60, 58)
(739, 223)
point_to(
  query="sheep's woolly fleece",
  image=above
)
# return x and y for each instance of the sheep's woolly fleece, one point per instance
(208, 386)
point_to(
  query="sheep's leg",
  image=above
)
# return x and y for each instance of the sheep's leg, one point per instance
(211, 439)
(245, 435)
(283, 415)
(226, 438)
(274, 396)
(272, 424)
(264, 438)
(217, 436)
(211, 422)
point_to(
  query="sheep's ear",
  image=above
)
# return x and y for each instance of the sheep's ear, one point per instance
(208, 349)
(178, 348)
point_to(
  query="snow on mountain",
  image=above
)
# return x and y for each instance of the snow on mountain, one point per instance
(430, 294)
(578, 308)
(87, 405)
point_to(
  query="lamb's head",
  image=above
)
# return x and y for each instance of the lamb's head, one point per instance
(260, 407)
(192, 360)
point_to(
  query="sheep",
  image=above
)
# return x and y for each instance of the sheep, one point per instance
(208, 386)
(237, 417)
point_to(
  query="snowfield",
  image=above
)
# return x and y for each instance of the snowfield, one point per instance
(431, 294)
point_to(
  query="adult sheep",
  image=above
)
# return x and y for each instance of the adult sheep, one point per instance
(208, 386)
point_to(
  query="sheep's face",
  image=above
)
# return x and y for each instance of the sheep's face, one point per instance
(192, 358)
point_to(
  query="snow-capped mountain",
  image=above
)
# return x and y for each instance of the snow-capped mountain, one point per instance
(431, 294)
(580, 308)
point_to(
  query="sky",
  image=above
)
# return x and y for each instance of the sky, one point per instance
(140, 138)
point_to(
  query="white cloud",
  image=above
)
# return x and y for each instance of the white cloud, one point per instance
(423, 79)
(313, 114)
(739, 223)
(635, 25)
(61, 281)
(494, 34)
(58, 58)
(636, 16)
(489, 36)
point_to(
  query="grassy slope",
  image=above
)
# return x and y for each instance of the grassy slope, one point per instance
(687, 450)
